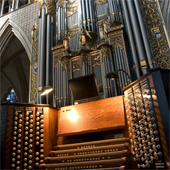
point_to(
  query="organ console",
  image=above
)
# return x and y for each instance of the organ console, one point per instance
(123, 132)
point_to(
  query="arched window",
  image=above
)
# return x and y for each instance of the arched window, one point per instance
(11, 96)
(23, 2)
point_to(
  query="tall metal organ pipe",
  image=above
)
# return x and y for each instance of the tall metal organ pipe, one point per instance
(131, 39)
(88, 16)
(65, 12)
(84, 13)
(59, 22)
(42, 60)
(144, 34)
(80, 14)
(137, 36)
(91, 15)
(48, 52)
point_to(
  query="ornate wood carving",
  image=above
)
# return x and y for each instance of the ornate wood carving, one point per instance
(95, 59)
(105, 53)
(116, 41)
(66, 63)
(57, 59)
(50, 6)
(85, 58)
(76, 63)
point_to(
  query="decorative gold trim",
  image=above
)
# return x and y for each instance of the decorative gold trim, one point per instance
(101, 15)
(78, 23)
(99, 2)
(104, 21)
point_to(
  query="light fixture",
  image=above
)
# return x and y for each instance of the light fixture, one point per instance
(47, 89)
(113, 75)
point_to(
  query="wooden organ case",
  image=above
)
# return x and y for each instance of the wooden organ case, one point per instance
(29, 135)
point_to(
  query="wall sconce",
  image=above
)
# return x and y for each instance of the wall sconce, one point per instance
(47, 89)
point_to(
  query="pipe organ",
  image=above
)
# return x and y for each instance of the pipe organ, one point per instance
(81, 37)
(130, 131)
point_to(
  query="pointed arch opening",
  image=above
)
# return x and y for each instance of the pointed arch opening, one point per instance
(15, 62)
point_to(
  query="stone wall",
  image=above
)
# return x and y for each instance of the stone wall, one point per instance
(24, 17)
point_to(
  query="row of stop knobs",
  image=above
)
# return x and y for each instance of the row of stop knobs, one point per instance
(143, 129)
(27, 145)
(39, 138)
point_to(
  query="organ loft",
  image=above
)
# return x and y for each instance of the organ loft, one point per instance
(105, 67)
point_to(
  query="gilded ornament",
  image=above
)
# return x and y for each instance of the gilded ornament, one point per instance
(34, 68)
(84, 33)
(99, 2)
(57, 59)
(85, 58)
(50, 6)
(116, 41)
(71, 11)
(105, 53)
(34, 27)
(76, 63)
(66, 64)
(101, 31)
(96, 60)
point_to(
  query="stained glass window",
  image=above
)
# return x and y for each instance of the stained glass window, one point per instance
(11, 96)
